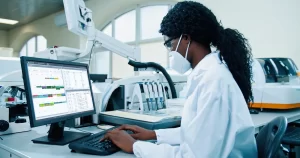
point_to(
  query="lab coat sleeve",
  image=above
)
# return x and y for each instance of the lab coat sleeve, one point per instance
(206, 135)
(149, 150)
(168, 136)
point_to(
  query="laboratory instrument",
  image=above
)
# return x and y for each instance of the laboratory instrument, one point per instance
(14, 118)
(12, 97)
(276, 84)
(131, 101)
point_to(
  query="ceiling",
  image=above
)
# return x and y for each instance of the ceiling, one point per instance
(26, 11)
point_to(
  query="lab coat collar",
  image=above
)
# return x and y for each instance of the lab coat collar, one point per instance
(208, 61)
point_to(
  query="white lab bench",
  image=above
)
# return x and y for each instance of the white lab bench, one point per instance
(265, 117)
(20, 145)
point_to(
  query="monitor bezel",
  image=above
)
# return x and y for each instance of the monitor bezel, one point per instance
(33, 121)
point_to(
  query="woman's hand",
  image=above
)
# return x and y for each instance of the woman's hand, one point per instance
(121, 139)
(139, 133)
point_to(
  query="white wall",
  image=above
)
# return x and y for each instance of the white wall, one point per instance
(3, 38)
(272, 26)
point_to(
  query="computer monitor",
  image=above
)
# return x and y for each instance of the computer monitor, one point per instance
(56, 91)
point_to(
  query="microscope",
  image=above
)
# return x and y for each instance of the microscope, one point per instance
(13, 111)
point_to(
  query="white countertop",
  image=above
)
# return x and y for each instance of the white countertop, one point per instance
(264, 117)
(21, 145)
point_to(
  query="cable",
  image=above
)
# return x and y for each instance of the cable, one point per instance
(91, 52)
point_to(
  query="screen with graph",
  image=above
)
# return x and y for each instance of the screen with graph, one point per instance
(59, 89)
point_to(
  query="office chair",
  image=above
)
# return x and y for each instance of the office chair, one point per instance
(292, 138)
(269, 138)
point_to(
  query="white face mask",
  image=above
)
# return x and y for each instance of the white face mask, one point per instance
(177, 61)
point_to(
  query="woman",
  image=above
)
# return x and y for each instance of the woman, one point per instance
(216, 121)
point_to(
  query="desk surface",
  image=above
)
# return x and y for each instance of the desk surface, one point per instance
(265, 117)
(20, 144)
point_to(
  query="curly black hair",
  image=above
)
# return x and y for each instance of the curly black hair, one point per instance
(196, 20)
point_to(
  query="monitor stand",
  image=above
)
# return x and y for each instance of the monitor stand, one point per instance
(57, 135)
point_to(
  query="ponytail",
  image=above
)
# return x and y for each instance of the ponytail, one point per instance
(196, 20)
(236, 53)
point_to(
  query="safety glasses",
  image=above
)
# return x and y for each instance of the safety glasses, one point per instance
(168, 43)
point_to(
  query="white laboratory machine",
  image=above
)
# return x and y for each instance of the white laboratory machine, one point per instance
(276, 84)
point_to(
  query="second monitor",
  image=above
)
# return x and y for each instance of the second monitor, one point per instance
(57, 91)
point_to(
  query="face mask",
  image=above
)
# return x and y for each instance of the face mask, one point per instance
(178, 62)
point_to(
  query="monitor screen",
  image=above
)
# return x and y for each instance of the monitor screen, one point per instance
(57, 91)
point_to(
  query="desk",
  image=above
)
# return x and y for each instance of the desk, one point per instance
(265, 117)
(20, 145)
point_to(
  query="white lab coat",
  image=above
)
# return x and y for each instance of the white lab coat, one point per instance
(215, 121)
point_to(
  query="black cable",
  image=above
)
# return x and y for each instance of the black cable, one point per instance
(91, 53)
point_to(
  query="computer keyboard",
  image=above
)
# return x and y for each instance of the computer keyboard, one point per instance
(92, 145)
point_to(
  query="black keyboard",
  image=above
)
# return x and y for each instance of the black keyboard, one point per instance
(92, 145)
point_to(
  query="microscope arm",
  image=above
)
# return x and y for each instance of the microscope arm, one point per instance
(76, 12)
